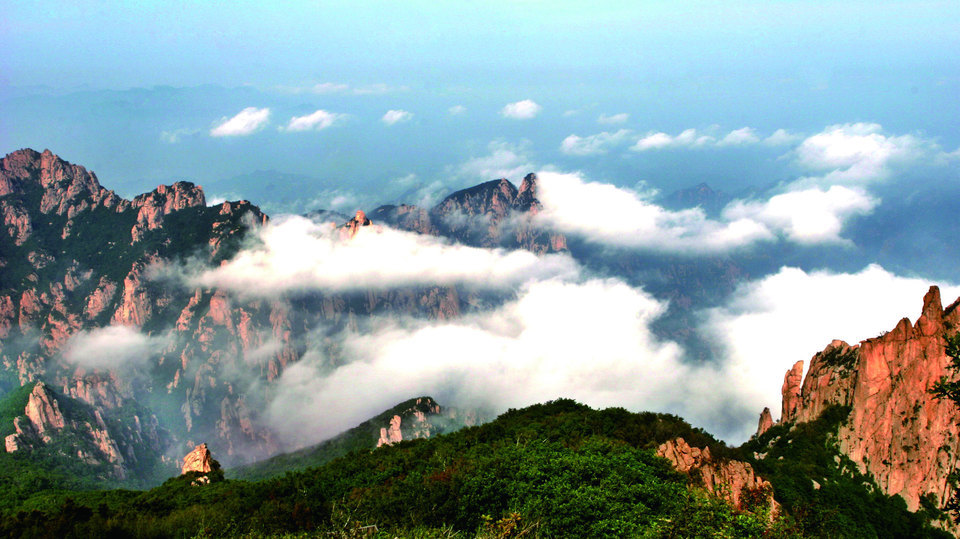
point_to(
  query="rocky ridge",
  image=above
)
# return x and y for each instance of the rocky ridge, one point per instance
(76, 257)
(896, 431)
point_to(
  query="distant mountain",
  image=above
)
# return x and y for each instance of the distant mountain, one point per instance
(698, 196)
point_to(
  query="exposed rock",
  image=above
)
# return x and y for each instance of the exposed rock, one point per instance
(43, 410)
(766, 421)
(897, 431)
(734, 480)
(390, 435)
(162, 201)
(791, 389)
(201, 461)
(412, 423)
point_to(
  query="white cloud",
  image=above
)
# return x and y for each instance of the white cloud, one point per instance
(456, 110)
(593, 144)
(113, 348)
(504, 161)
(296, 254)
(807, 216)
(247, 121)
(857, 153)
(330, 88)
(776, 321)
(598, 349)
(396, 116)
(617, 216)
(612, 119)
(781, 137)
(521, 110)
(740, 137)
(318, 120)
(687, 138)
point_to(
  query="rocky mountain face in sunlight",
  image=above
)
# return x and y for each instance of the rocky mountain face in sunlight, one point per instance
(77, 257)
(492, 214)
(897, 431)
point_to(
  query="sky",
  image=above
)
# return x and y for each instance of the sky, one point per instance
(830, 127)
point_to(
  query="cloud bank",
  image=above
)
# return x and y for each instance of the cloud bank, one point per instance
(246, 122)
(593, 144)
(296, 254)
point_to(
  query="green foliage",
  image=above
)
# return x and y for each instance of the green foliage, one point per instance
(553, 470)
(843, 502)
(948, 389)
(838, 358)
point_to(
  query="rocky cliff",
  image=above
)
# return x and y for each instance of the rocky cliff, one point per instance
(896, 431)
(75, 257)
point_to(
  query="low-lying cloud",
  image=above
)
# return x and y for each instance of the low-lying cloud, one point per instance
(246, 122)
(597, 349)
(296, 254)
(115, 348)
(593, 144)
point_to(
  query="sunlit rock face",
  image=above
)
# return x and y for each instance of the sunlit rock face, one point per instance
(897, 431)
(731, 479)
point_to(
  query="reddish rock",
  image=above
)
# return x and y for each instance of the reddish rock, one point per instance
(199, 460)
(766, 421)
(791, 390)
(897, 431)
(730, 479)
(162, 201)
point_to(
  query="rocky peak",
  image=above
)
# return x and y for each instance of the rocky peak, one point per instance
(896, 431)
(199, 460)
(791, 389)
(164, 200)
(43, 410)
(410, 423)
(766, 421)
(527, 195)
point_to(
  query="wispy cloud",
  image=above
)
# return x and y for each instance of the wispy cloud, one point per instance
(174, 137)
(505, 160)
(246, 122)
(315, 121)
(521, 110)
(456, 110)
(396, 116)
(593, 144)
(740, 137)
(113, 348)
(613, 119)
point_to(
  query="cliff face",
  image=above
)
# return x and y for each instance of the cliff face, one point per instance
(412, 423)
(54, 423)
(74, 257)
(906, 439)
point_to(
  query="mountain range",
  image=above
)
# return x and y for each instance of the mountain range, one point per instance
(117, 358)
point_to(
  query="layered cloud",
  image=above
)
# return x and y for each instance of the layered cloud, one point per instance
(593, 144)
(598, 349)
(521, 110)
(116, 348)
(396, 116)
(296, 254)
(690, 138)
(246, 122)
(321, 119)
(771, 323)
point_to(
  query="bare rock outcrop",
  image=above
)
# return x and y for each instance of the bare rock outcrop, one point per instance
(897, 431)
(199, 460)
(766, 421)
(414, 422)
(733, 480)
